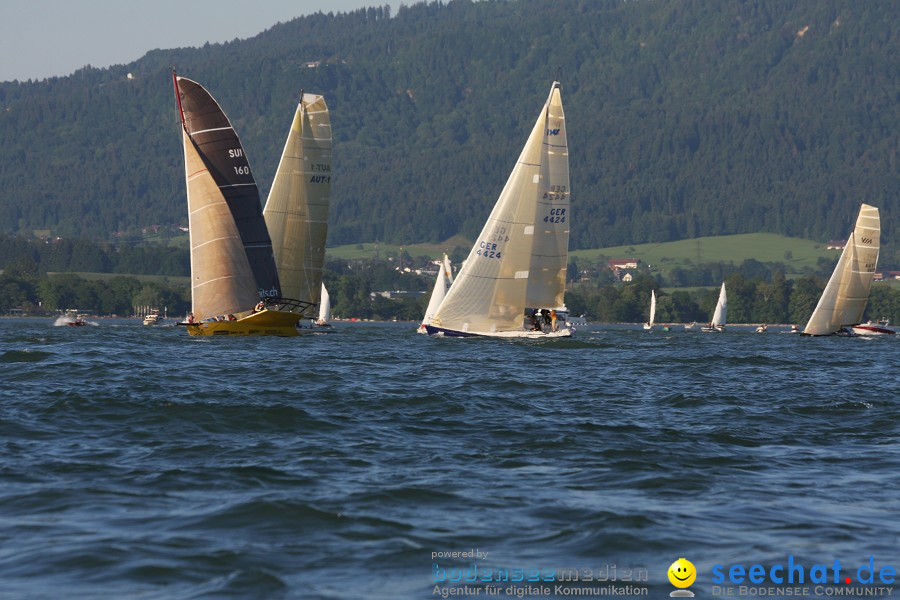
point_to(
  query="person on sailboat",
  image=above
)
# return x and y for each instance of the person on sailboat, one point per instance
(535, 323)
(553, 319)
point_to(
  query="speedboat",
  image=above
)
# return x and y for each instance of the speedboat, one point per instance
(871, 328)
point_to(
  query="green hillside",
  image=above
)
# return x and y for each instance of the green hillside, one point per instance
(685, 118)
(797, 254)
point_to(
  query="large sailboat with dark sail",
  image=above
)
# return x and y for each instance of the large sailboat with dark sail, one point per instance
(235, 288)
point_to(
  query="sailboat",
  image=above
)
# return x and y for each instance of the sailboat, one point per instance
(296, 211)
(234, 282)
(442, 283)
(649, 324)
(517, 266)
(324, 309)
(719, 316)
(841, 306)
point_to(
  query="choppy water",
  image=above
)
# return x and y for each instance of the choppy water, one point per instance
(137, 462)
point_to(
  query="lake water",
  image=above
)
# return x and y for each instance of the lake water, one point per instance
(138, 462)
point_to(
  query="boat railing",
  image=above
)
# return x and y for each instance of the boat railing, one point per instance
(289, 305)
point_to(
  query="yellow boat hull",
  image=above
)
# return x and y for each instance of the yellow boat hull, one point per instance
(267, 322)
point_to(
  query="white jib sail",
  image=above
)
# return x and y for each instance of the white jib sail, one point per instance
(652, 307)
(495, 285)
(845, 296)
(721, 313)
(441, 284)
(324, 306)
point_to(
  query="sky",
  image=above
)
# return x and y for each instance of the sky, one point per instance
(47, 38)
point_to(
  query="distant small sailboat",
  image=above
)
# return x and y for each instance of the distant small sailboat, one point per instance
(762, 328)
(719, 316)
(517, 267)
(234, 281)
(324, 309)
(442, 283)
(649, 324)
(690, 325)
(843, 301)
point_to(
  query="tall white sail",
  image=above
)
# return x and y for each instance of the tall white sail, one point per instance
(519, 258)
(296, 211)
(442, 283)
(324, 306)
(721, 312)
(845, 296)
(652, 307)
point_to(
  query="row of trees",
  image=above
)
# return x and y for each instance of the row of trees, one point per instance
(23, 286)
(770, 298)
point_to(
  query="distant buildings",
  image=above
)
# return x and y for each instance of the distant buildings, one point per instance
(835, 245)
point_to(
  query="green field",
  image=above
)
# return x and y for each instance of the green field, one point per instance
(796, 253)
(371, 250)
(764, 247)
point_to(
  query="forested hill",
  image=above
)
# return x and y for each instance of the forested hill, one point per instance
(685, 118)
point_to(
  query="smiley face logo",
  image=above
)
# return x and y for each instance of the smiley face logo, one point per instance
(682, 573)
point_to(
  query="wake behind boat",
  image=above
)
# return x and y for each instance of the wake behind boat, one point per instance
(518, 263)
(232, 264)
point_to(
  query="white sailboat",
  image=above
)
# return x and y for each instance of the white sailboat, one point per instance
(324, 309)
(518, 263)
(841, 306)
(442, 283)
(720, 314)
(649, 324)
(296, 211)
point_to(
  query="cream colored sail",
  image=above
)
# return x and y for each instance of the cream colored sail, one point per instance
(652, 307)
(296, 211)
(221, 280)
(491, 291)
(721, 312)
(845, 296)
(550, 245)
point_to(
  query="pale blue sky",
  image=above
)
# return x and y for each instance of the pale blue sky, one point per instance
(45, 38)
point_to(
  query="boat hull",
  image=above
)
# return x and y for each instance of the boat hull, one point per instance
(267, 322)
(872, 329)
(432, 330)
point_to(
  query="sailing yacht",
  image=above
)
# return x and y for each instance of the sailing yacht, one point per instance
(442, 283)
(843, 301)
(517, 266)
(235, 288)
(324, 309)
(296, 211)
(649, 324)
(719, 316)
